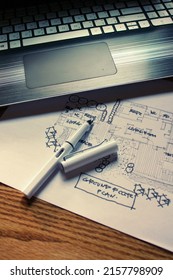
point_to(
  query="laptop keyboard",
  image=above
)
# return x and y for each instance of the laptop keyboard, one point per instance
(67, 20)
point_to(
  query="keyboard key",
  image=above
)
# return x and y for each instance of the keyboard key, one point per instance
(91, 16)
(148, 8)
(144, 23)
(7, 29)
(14, 36)
(132, 23)
(100, 22)
(161, 21)
(120, 5)
(43, 23)
(51, 15)
(129, 11)
(108, 29)
(19, 27)
(103, 15)
(55, 21)
(27, 19)
(63, 14)
(3, 46)
(75, 26)
(114, 13)
(132, 4)
(120, 27)
(67, 20)
(39, 17)
(163, 13)
(56, 37)
(96, 31)
(97, 9)
(79, 18)
(111, 20)
(63, 28)
(74, 12)
(152, 15)
(86, 10)
(26, 34)
(159, 7)
(133, 27)
(134, 17)
(51, 30)
(169, 5)
(108, 7)
(88, 24)
(31, 25)
(15, 44)
(3, 38)
(39, 32)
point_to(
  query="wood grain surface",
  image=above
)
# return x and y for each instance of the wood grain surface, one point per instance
(38, 230)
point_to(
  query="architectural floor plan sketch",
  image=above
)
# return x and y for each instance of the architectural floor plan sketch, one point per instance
(145, 138)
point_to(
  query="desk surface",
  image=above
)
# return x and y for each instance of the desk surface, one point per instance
(39, 230)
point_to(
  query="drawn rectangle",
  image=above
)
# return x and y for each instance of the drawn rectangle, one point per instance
(105, 190)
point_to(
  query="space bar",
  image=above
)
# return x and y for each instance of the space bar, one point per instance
(55, 37)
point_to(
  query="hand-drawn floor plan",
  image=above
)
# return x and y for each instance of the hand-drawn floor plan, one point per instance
(145, 139)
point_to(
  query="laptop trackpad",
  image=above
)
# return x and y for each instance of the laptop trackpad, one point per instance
(68, 64)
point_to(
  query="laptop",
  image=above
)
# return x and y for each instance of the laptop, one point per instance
(53, 48)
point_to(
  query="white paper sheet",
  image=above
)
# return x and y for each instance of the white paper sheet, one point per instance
(133, 193)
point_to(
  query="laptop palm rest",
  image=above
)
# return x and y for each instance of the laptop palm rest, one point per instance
(68, 64)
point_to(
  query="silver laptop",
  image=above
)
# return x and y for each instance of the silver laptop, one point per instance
(53, 48)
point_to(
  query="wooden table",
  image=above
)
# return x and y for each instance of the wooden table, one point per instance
(39, 230)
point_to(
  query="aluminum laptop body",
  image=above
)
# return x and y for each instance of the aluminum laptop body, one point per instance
(87, 45)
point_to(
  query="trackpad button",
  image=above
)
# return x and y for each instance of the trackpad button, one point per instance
(68, 64)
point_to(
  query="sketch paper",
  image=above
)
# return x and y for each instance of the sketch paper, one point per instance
(132, 193)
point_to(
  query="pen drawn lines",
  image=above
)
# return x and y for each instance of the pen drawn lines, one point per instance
(144, 136)
(77, 104)
(51, 135)
(152, 194)
(117, 194)
(106, 190)
(113, 111)
(152, 131)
